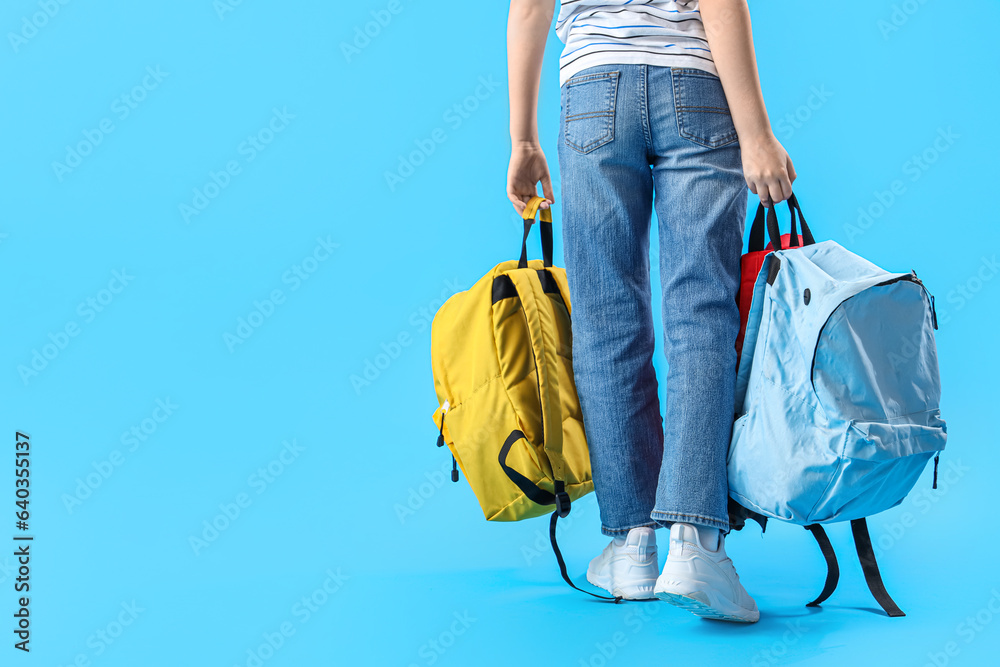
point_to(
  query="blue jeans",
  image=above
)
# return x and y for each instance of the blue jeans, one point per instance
(635, 137)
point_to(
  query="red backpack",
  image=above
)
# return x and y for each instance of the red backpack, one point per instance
(753, 260)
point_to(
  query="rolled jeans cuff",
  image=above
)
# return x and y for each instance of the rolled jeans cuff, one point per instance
(665, 518)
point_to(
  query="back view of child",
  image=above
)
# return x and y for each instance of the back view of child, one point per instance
(661, 108)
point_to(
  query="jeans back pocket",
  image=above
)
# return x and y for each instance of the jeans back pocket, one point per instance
(702, 111)
(589, 106)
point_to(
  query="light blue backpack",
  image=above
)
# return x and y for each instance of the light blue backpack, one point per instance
(837, 393)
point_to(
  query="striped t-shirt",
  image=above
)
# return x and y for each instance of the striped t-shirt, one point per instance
(651, 32)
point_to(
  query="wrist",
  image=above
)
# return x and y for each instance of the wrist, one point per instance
(756, 136)
(530, 143)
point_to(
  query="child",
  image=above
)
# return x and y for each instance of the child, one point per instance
(661, 108)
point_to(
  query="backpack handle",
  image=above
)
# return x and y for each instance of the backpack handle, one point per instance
(773, 230)
(530, 210)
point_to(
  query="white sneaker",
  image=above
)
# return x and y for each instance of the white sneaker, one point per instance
(627, 568)
(703, 582)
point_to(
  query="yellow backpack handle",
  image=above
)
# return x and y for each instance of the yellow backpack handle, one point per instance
(530, 210)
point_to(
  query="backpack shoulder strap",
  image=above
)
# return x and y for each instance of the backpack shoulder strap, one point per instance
(863, 542)
(866, 555)
(541, 325)
(832, 568)
(544, 347)
(562, 563)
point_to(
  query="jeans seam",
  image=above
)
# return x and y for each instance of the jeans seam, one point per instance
(647, 134)
(624, 531)
(718, 110)
(692, 71)
(589, 114)
(660, 515)
(587, 77)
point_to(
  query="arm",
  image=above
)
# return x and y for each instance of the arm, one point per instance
(528, 26)
(766, 166)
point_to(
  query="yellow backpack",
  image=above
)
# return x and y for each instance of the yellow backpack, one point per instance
(503, 371)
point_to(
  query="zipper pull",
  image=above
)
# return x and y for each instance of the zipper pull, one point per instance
(440, 440)
(933, 313)
(934, 486)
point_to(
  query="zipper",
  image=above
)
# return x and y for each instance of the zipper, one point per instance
(444, 410)
(918, 281)
(440, 441)
(911, 277)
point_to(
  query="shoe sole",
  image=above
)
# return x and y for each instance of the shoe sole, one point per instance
(630, 593)
(702, 608)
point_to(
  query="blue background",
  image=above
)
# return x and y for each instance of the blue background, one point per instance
(397, 566)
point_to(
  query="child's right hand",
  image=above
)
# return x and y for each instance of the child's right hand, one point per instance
(767, 169)
(528, 167)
